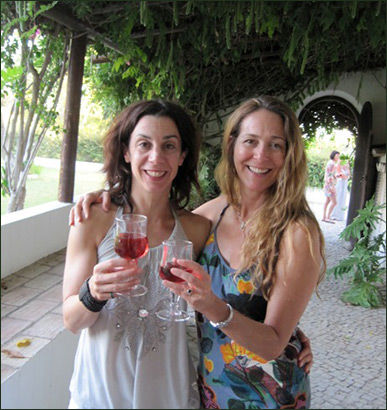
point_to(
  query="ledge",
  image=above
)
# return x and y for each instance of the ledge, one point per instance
(31, 308)
(45, 226)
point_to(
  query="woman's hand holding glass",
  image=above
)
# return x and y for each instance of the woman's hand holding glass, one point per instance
(131, 243)
(112, 277)
(194, 286)
(173, 250)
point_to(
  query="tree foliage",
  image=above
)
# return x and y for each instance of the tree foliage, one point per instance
(211, 55)
(33, 66)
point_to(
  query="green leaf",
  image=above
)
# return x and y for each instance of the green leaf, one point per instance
(143, 9)
(363, 294)
(10, 75)
(249, 19)
(228, 32)
(175, 13)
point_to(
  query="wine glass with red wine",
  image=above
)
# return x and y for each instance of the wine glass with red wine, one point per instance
(131, 242)
(173, 250)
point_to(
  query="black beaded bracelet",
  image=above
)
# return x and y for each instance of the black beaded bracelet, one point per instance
(88, 300)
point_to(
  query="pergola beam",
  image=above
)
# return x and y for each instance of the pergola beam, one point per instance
(71, 121)
(64, 17)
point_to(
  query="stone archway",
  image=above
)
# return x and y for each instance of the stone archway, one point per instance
(339, 111)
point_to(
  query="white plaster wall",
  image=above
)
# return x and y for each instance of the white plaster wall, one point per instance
(372, 89)
(33, 233)
(43, 382)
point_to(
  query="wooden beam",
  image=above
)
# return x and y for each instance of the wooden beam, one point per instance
(71, 121)
(66, 19)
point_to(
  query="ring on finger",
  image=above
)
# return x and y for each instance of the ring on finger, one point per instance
(189, 292)
(112, 295)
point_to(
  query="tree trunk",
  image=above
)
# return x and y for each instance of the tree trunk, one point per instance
(16, 200)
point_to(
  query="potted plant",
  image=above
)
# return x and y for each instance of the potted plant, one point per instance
(366, 263)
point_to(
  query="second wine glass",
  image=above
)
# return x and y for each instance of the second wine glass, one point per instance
(173, 250)
(131, 243)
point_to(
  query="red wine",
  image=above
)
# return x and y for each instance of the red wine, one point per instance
(130, 246)
(165, 272)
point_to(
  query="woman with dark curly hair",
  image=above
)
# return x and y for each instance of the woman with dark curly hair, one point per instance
(127, 357)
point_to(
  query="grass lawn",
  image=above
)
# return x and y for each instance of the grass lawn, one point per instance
(43, 187)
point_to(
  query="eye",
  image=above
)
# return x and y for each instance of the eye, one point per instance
(277, 146)
(249, 141)
(169, 146)
(143, 144)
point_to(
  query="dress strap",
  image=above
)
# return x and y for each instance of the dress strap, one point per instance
(220, 217)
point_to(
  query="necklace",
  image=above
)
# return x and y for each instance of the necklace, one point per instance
(243, 223)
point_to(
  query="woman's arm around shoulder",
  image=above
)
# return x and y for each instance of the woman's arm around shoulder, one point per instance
(212, 209)
(196, 227)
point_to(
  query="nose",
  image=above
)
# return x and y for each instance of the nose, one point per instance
(261, 151)
(155, 154)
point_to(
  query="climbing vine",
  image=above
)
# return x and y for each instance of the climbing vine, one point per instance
(211, 55)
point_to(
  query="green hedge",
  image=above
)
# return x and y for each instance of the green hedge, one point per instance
(89, 149)
(316, 171)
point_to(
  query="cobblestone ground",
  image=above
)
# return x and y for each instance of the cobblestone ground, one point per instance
(348, 342)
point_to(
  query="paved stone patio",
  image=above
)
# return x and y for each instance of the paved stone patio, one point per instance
(349, 343)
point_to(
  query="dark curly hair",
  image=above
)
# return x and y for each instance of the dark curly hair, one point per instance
(116, 142)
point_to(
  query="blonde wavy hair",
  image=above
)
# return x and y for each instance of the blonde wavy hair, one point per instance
(284, 205)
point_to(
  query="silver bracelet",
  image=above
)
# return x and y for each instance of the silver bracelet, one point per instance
(220, 325)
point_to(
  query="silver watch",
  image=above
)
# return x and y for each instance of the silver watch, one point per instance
(219, 325)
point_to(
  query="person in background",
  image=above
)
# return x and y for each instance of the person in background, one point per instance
(128, 358)
(260, 266)
(343, 174)
(330, 186)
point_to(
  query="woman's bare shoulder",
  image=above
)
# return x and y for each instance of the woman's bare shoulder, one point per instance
(193, 220)
(98, 222)
(196, 227)
(212, 209)
(302, 236)
(98, 214)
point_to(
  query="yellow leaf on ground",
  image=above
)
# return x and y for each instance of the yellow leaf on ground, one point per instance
(23, 342)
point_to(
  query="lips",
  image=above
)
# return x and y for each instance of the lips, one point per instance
(260, 171)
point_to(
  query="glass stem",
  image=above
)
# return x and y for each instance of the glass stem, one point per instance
(175, 302)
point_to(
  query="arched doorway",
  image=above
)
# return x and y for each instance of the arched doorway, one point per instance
(335, 112)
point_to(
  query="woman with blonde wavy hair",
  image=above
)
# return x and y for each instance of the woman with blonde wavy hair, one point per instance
(259, 268)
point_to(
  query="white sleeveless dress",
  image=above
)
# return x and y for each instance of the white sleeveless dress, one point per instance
(129, 358)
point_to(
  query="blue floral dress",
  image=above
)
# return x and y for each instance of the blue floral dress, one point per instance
(230, 376)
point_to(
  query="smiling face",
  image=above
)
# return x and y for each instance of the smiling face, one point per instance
(154, 154)
(259, 151)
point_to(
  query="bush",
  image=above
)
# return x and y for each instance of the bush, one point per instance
(209, 158)
(316, 170)
(365, 265)
(89, 149)
(50, 147)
